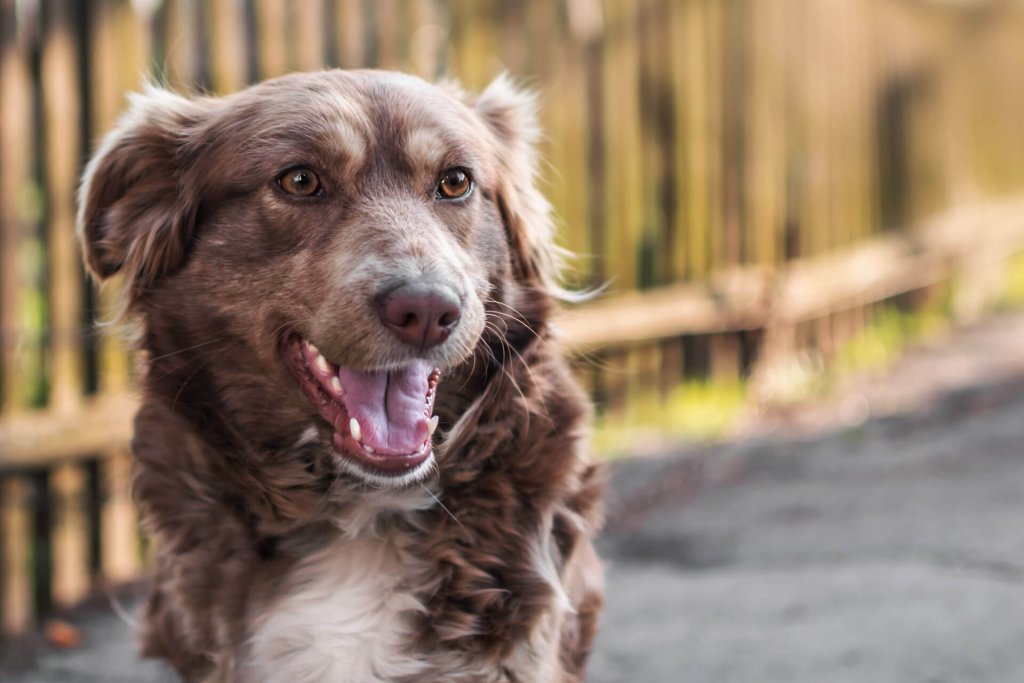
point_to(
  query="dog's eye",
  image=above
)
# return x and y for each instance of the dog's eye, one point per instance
(455, 184)
(300, 182)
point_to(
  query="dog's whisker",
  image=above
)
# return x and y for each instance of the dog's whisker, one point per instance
(513, 315)
(443, 506)
(188, 348)
(181, 388)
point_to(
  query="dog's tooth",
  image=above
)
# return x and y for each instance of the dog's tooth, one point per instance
(432, 425)
(309, 347)
(355, 430)
(336, 385)
(321, 363)
(368, 449)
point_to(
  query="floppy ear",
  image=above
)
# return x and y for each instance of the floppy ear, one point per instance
(511, 114)
(134, 214)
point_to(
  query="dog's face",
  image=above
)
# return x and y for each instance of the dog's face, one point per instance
(311, 256)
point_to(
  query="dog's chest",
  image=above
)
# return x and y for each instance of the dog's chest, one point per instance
(344, 614)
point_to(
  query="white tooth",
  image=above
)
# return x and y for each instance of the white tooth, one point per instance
(368, 449)
(321, 363)
(309, 345)
(336, 385)
(353, 427)
(432, 425)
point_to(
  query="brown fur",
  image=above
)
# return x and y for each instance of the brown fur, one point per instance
(216, 262)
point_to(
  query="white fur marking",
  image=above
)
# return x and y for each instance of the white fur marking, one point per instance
(344, 617)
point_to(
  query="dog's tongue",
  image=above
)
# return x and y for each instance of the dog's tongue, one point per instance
(391, 407)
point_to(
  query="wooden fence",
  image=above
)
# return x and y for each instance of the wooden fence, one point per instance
(747, 176)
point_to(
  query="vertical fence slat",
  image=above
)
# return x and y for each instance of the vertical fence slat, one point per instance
(678, 55)
(623, 171)
(573, 97)
(652, 261)
(427, 43)
(15, 182)
(40, 503)
(472, 40)
(730, 85)
(181, 37)
(271, 25)
(70, 535)
(389, 32)
(15, 534)
(817, 231)
(119, 557)
(712, 20)
(766, 132)
(227, 45)
(62, 144)
(696, 130)
(350, 31)
(308, 38)
(545, 29)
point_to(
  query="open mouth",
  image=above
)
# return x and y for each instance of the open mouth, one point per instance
(382, 419)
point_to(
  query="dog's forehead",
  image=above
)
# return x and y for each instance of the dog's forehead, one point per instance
(365, 114)
(421, 124)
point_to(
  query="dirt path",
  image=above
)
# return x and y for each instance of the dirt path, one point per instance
(876, 536)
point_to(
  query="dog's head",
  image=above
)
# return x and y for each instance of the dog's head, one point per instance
(310, 256)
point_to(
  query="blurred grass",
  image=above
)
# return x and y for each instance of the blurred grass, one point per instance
(1013, 294)
(696, 410)
(884, 340)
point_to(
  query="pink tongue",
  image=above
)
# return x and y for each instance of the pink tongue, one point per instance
(391, 407)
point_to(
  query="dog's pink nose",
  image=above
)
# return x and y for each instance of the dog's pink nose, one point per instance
(420, 317)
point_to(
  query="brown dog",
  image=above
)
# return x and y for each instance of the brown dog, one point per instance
(359, 451)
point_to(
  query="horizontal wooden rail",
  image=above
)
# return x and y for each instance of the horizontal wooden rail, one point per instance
(43, 439)
(963, 240)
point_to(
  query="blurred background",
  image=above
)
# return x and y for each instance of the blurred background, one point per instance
(775, 195)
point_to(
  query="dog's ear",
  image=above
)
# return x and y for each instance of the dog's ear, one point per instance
(511, 114)
(135, 215)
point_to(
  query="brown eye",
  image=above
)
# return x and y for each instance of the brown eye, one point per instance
(455, 184)
(300, 182)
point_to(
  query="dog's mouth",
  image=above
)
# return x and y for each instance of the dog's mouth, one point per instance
(382, 419)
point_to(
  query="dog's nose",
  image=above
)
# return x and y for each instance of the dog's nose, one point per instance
(420, 316)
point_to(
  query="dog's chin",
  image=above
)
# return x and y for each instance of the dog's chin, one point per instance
(381, 480)
(382, 421)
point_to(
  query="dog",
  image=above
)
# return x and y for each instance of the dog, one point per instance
(360, 451)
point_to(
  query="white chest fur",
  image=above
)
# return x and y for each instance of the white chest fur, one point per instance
(344, 615)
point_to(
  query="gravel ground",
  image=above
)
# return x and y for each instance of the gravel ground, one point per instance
(805, 552)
